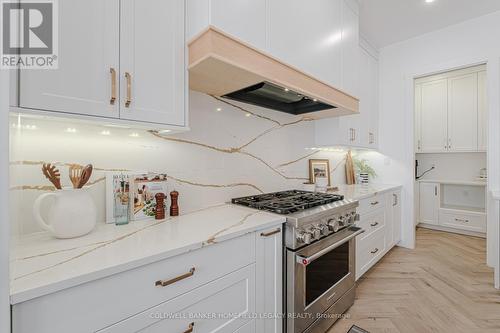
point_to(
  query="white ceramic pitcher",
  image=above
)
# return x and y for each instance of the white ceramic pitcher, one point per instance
(72, 213)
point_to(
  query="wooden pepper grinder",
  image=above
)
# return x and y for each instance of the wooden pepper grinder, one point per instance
(174, 205)
(160, 206)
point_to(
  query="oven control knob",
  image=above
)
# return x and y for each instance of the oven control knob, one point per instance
(333, 225)
(304, 237)
(323, 228)
(316, 232)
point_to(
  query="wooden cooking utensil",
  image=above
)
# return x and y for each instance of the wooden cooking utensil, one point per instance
(75, 174)
(349, 169)
(86, 173)
(52, 174)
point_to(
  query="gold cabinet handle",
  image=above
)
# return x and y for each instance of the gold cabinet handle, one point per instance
(190, 329)
(267, 234)
(129, 89)
(374, 251)
(113, 86)
(374, 224)
(462, 220)
(164, 283)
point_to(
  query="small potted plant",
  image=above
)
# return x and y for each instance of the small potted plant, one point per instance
(364, 171)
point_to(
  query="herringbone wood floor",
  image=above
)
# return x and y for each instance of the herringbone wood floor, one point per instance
(443, 285)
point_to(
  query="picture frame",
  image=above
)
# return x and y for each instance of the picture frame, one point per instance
(319, 172)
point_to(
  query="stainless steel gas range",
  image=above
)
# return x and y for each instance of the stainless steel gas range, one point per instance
(319, 255)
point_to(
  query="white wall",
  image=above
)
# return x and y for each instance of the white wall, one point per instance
(471, 42)
(4, 199)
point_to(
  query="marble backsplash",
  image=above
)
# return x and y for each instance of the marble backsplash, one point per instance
(231, 150)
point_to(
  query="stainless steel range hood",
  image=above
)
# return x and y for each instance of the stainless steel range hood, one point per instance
(221, 65)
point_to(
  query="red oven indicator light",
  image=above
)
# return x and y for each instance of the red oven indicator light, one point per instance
(305, 262)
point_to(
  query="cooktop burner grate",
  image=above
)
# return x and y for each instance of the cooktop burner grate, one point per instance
(287, 202)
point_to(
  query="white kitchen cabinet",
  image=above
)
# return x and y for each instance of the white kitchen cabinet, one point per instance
(233, 293)
(310, 36)
(429, 203)
(350, 47)
(450, 111)
(397, 218)
(380, 217)
(462, 113)
(319, 38)
(453, 206)
(269, 247)
(433, 114)
(247, 282)
(359, 130)
(128, 65)
(482, 118)
(393, 218)
(152, 61)
(88, 63)
(243, 19)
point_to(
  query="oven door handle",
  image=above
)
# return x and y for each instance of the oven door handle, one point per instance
(307, 260)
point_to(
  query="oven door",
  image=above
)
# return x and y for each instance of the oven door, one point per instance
(318, 275)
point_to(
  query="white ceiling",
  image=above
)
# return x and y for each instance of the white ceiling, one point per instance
(384, 22)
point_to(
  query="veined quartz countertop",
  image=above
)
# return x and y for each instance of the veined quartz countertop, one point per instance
(41, 264)
(363, 191)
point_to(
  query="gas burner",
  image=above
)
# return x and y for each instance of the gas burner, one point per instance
(287, 202)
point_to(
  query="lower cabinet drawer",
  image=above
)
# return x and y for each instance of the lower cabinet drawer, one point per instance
(369, 250)
(100, 303)
(371, 222)
(462, 220)
(221, 306)
(371, 204)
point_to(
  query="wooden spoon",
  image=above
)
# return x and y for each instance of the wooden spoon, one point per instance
(86, 173)
(75, 174)
(52, 174)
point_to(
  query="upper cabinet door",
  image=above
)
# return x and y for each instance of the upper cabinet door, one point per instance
(462, 113)
(482, 117)
(350, 49)
(88, 60)
(308, 35)
(433, 116)
(244, 19)
(152, 61)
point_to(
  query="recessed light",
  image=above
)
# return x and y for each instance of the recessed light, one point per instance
(134, 135)
(218, 109)
(70, 130)
(429, 1)
(106, 133)
(248, 115)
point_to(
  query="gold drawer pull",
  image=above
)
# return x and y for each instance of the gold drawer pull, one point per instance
(163, 283)
(374, 251)
(113, 86)
(374, 203)
(267, 234)
(462, 220)
(190, 329)
(129, 89)
(374, 224)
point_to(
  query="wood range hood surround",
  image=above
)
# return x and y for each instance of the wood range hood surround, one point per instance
(219, 64)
